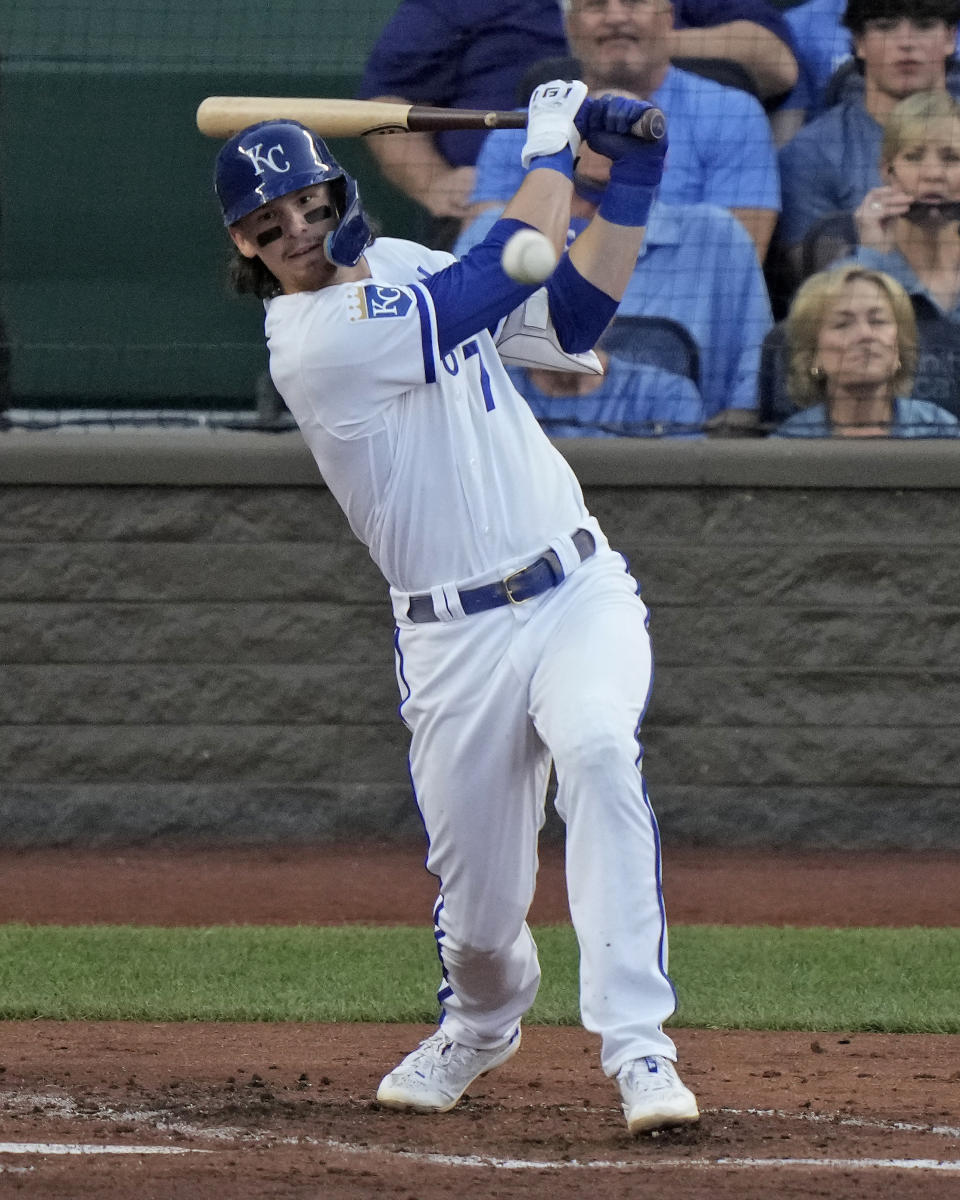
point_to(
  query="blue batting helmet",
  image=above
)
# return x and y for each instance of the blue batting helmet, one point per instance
(272, 158)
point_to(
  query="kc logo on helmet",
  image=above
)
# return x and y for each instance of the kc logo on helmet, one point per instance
(261, 160)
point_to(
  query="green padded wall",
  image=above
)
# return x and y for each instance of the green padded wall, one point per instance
(112, 255)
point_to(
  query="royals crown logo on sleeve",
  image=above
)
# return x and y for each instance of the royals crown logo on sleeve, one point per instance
(372, 301)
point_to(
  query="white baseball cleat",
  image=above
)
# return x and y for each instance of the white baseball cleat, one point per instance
(432, 1078)
(653, 1095)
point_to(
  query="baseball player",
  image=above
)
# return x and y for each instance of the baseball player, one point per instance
(520, 634)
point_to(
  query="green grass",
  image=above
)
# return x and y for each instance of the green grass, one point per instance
(888, 980)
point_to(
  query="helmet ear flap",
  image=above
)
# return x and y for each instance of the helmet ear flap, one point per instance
(345, 245)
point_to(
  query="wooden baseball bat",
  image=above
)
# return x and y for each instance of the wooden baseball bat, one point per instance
(223, 116)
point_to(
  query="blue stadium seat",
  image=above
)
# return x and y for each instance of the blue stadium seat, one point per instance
(827, 241)
(659, 341)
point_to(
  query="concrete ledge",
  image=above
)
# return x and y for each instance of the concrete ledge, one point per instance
(220, 458)
(192, 458)
(766, 462)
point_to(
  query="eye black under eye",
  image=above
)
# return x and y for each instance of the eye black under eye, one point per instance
(322, 212)
(268, 236)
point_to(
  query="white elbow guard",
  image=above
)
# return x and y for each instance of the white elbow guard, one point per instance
(527, 338)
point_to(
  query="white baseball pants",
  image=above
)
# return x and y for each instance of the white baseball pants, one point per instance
(490, 699)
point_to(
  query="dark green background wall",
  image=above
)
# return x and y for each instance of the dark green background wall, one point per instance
(111, 251)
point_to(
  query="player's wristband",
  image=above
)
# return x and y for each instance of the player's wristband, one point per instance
(562, 161)
(626, 204)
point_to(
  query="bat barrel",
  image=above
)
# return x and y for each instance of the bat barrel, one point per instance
(223, 116)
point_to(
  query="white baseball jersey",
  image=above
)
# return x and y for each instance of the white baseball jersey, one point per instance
(445, 474)
(438, 463)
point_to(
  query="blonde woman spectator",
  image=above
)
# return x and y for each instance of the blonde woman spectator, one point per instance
(852, 340)
(909, 225)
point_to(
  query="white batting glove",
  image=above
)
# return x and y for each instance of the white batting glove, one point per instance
(550, 116)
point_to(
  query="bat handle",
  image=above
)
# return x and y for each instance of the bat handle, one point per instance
(651, 127)
(420, 118)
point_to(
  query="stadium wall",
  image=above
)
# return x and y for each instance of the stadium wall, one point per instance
(194, 646)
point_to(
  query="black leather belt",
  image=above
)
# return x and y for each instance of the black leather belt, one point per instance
(521, 585)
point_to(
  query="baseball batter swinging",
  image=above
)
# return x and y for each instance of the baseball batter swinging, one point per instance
(520, 635)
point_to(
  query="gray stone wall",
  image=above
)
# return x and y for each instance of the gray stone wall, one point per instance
(193, 645)
(807, 642)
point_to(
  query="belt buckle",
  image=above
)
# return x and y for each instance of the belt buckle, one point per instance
(506, 587)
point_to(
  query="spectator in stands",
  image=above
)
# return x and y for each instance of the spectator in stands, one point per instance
(628, 400)
(721, 145)
(474, 53)
(823, 48)
(852, 342)
(697, 267)
(909, 227)
(830, 165)
(752, 33)
(822, 45)
(458, 54)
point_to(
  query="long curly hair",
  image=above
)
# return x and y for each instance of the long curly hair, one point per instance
(249, 277)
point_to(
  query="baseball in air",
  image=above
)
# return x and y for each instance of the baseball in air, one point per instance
(528, 256)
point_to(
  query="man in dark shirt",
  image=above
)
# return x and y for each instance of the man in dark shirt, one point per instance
(474, 54)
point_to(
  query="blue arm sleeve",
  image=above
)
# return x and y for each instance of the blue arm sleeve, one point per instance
(475, 293)
(580, 311)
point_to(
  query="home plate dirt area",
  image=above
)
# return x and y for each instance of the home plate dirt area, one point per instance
(270, 1111)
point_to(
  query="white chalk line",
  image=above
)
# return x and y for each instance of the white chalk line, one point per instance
(658, 1164)
(46, 1148)
(949, 1131)
(842, 1164)
(854, 1164)
(66, 1107)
